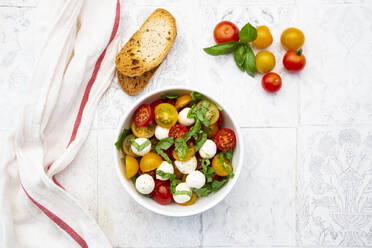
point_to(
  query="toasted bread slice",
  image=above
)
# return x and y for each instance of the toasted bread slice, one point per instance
(148, 47)
(134, 85)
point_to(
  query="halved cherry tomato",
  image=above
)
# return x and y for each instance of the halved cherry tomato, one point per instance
(212, 113)
(294, 60)
(220, 120)
(143, 132)
(191, 201)
(171, 101)
(214, 129)
(178, 173)
(166, 115)
(178, 131)
(156, 103)
(271, 82)
(144, 115)
(182, 102)
(226, 31)
(218, 168)
(127, 146)
(190, 153)
(131, 166)
(161, 193)
(150, 161)
(225, 139)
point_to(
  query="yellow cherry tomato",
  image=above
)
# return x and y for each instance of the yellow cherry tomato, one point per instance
(143, 132)
(264, 37)
(217, 166)
(191, 201)
(265, 61)
(214, 129)
(131, 166)
(292, 39)
(190, 153)
(182, 102)
(212, 114)
(166, 115)
(127, 146)
(150, 161)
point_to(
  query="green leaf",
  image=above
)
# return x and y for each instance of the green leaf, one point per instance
(210, 187)
(196, 97)
(169, 97)
(207, 171)
(222, 48)
(183, 192)
(181, 148)
(138, 146)
(239, 57)
(119, 142)
(248, 33)
(164, 144)
(228, 154)
(250, 62)
(226, 168)
(200, 141)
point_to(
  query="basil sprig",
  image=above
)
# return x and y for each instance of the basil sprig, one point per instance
(164, 144)
(138, 146)
(243, 54)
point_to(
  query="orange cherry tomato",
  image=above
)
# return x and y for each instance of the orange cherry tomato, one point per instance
(150, 161)
(218, 168)
(226, 31)
(131, 166)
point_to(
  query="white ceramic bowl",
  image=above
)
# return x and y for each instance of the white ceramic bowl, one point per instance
(203, 203)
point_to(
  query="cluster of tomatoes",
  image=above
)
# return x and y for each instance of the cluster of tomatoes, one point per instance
(151, 149)
(291, 39)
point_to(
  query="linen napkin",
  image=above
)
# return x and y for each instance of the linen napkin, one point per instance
(74, 67)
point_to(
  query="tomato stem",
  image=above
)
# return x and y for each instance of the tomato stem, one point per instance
(299, 52)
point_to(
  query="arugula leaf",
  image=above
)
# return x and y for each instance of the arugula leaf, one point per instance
(226, 168)
(239, 57)
(222, 48)
(207, 170)
(248, 33)
(196, 97)
(250, 62)
(181, 148)
(200, 141)
(169, 97)
(138, 146)
(164, 144)
(119, 142)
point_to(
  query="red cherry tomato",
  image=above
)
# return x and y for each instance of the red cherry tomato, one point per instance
(171, 101)
(294, 60)
(161, 192)
(271, 82)
(144, 115)
(177, 131)
(220, 120)
(226, 31)
(225, 139)
(156, 103)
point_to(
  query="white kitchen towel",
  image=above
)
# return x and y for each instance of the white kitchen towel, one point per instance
(74, 67)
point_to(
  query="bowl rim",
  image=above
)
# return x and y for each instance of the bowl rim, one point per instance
(134, 195)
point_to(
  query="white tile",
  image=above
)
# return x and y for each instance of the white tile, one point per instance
(16, 60)
(244, 94)
(335, 186)
(18, 3)
(126, 223)
(80, 177)
(260, 210)
(335, 84)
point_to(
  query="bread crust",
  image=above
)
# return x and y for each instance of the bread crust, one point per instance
(134, 85)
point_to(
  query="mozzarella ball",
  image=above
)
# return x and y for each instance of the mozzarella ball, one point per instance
(182, 198)
(183, 119)
(165, 167)
(161, 132)
(145, 150)
(186, 167)
(195, 179)
(208, 149)
(145, 184)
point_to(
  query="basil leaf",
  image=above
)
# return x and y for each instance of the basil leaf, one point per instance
(200, 113)
(138, 146)
(218, 184)
(222, 48)
(228, 154)
(248, 33)
(200, 141)
(195, 97)
(250, 62)
(165, 175)
(181, 148)
(210, 187)
(119, 142)
(239, 57)
(164, 144)
(226, 168)
(169, 97)
(134, 178)
(194, 131)
(207, 171)
(183, 192)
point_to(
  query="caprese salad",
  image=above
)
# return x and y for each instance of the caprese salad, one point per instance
(176, 149)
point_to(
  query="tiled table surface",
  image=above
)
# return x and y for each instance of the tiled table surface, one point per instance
(307, 177)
